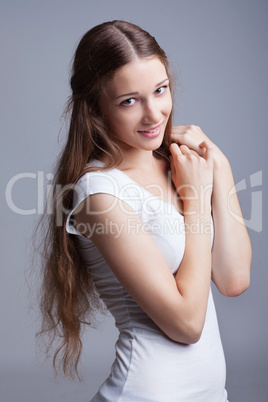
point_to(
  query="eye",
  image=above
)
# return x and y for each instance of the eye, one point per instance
(161, 90)
(128, 102)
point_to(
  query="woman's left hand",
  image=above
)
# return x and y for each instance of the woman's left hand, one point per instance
(193, 136)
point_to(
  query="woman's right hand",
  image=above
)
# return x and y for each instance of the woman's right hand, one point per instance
(192, 174)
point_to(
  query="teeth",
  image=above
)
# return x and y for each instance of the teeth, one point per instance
(151, 131)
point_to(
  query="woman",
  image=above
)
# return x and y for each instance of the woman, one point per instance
(133, 204)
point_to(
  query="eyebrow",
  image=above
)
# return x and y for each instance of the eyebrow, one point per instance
(136, 93)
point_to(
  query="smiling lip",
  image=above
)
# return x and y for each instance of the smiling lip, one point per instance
(152, 132)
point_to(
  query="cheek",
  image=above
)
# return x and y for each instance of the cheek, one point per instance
(169, 105)
(117, 123)
(112, 117)
(125, 118)
(166, 105)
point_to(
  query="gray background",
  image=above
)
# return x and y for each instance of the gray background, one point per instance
(219, 51)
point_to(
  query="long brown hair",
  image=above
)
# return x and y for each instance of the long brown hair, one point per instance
(67, 295)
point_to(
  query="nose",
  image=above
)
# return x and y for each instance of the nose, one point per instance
(151, 112)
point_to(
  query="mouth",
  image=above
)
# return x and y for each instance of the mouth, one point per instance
(152, 132)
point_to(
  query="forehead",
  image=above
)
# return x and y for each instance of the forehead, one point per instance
(137, 76)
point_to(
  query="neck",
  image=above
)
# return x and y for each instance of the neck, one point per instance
(138, 160)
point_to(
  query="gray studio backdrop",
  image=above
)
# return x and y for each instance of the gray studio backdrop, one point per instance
(219, 52)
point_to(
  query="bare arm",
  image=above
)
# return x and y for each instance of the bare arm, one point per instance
(177, 306)
(231, 254)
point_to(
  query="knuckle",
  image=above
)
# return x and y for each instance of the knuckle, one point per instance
(192, 127)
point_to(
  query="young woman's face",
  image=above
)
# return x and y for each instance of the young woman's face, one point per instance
(137, 103)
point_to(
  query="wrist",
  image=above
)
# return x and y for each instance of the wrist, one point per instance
(197, 208)
(219, 160)
(197, 221)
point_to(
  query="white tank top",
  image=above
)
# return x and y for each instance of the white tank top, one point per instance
(148, 366)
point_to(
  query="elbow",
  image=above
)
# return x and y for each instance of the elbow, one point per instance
(193, 330)
(236, 287)
(232, 276)
(193, 337)
(188, 338)
(189, 334)
(185, 323)
(235, 279)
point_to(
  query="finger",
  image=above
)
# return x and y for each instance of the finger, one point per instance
(185, 129)
(177, 132)
(195, 153)
(175, 149)
(188, 140)
(171, 164)
(185, 150)
(208, 150)
(205, 144)
(178, 129)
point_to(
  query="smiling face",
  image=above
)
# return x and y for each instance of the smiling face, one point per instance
(137, 103)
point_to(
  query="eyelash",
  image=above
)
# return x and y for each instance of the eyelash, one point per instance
(126, 100)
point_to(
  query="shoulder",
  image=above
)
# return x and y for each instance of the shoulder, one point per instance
(97, 179)
(101, 184)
